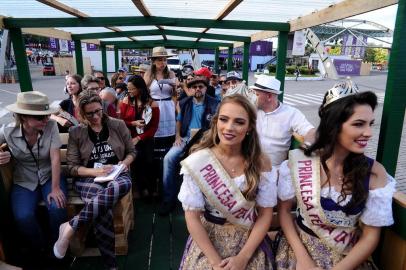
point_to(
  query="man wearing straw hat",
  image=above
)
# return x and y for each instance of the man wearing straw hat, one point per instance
(33, 142)
(276, 122)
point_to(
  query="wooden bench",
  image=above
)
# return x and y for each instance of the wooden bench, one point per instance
(123, 212)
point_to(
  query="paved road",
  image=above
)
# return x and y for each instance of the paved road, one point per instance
(304, 95)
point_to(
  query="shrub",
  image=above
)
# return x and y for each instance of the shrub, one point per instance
(290, 69)
(272, 68)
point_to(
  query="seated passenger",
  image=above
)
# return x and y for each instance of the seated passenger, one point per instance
(93, 148)
(34, 143)
(91, 83)
(141, 115)
(68, 114)
(343, 196)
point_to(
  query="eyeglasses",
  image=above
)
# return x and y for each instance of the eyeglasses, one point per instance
(120, 78)
(93, 89)
(100, 78)
(221, 82)
(131, 89)
(199, 86)
(40, 117)
(91, 114)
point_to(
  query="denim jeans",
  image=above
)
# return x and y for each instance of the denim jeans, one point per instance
(24, 203)
(171, 163)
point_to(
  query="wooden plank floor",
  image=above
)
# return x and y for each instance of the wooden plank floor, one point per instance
(156, 243)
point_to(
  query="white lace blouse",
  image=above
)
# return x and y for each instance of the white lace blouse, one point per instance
(378, 207)
(192, 198)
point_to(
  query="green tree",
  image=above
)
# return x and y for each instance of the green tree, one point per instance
(376, 55)
(335, 50)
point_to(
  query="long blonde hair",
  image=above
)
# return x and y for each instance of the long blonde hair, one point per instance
(250, 148)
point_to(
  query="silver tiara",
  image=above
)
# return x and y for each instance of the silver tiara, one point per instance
(340, 90)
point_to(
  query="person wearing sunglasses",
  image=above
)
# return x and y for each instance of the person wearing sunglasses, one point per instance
(33, 142)
(104, 81)
(116, 79)
(93, 148)
(195, 112)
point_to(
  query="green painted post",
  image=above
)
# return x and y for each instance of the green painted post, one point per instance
(216, 59)
(395, 96)
(281, 61)
(230, 59)
(245, 61)
(104, 58)
(116, 63)
(78, 57)
(23, 70)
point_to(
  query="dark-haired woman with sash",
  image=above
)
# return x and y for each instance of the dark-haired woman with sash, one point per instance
(228, 192)
(343, 197)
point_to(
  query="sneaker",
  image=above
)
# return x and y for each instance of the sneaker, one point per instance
(62, 244)
(166, 208)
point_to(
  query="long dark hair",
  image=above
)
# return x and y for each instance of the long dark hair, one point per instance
(139, 83)
(355, 167)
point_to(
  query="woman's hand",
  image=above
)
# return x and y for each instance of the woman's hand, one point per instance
(234, 263)
(306, 264)
(103, 170)
(135, 140)
(126, 166)
(58, 196)
(138, 123)
(4, 157)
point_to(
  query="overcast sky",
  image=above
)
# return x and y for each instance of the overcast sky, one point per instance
(385, 16)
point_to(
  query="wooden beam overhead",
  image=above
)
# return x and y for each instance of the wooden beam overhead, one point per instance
(339, 11)
(156, 32)
(1, 22)
(48, 32)
(137, 21)
(72, 11)
(168, 43)
(226, 10)
(145, 11)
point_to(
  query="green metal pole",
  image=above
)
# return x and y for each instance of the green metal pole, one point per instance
(116, 63)
(79, 58)
(395, 96)
(230, 59)
(23, 70)
(216, 59)
(104, 58)
(281, 61)
(245, 61)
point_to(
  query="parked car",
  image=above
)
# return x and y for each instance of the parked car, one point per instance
(48, 69)
(208, 63)
(174, 63)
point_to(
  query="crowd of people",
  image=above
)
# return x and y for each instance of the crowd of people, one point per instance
(220, 148)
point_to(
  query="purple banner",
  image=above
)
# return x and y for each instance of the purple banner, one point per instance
(71, 45)
(354, 46)
(261, 48)
(348, 67)
(91, 47)
(53, 44)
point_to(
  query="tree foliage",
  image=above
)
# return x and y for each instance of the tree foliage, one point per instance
(376, 55)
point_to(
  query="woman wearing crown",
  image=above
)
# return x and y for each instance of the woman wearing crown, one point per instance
(343, 197)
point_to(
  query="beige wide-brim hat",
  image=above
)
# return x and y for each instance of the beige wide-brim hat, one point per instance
(160, 52)
(267, 84)
(32, 103)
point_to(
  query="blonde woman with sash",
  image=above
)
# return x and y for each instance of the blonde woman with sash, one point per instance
(343, 197)
(228, 192)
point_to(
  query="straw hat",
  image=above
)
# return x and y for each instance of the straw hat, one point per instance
(160, 52)
(267, 84)
(31, 103)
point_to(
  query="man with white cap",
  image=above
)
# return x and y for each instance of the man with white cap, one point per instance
(276, 122)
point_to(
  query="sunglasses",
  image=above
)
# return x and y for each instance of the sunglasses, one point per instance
(120, 78)
(199, 86)
(221, 82)
(40, 117)
(91, 114)
(100, 78)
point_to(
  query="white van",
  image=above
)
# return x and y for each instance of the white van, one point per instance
(174, 63)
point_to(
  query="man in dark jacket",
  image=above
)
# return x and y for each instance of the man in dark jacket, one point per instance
(195, 112)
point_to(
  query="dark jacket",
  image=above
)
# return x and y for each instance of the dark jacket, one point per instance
(186, 106)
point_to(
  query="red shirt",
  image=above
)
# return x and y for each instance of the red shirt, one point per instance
(128, 113)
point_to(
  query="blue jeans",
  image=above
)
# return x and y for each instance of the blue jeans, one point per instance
(171, 162)
(24, 204)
